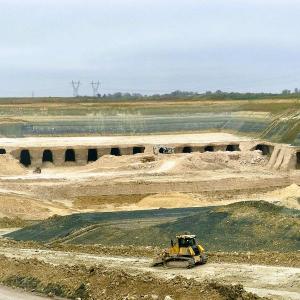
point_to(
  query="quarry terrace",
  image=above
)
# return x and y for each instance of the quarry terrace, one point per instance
(59, 151)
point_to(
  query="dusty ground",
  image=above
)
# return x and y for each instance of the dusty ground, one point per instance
(18, 294)
(274, 281)
(106, 283)
(120, 140)
(144, 181)
(266, 258)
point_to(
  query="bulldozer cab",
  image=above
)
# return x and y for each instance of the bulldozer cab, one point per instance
(186, 242)
(184, 245)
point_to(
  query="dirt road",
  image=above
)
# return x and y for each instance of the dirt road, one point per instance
(117, 140)
(273, 281)
(16, 294)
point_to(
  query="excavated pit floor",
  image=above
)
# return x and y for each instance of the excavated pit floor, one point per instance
(56, 189)
(272, 281)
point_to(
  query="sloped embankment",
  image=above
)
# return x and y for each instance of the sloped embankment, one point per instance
(100, 282)
(284, 128)
(242, 226)
(272, 118)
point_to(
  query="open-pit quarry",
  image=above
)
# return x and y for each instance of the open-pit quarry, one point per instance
(42, 176)
(63, 175)
(91, 202)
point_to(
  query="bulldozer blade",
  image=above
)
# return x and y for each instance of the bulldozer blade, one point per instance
(176, 264)
(179, 264)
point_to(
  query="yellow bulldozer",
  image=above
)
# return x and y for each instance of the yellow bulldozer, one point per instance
(185, 253)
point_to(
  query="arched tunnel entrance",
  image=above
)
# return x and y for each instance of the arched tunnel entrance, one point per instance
(233, 148)
(2, 151)
(115, 151)
(265, 149)
(298, 160)
(70, 155)
(25, 158)
(47, 156)
(136, 150)
(209, 149)
(187, 149)
(92, 155)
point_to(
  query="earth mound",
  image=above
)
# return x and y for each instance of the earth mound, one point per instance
(10, 166)
(168, 200)
(242, 226)
(289, 196)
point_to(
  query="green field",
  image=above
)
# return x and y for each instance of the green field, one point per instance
(243, 226)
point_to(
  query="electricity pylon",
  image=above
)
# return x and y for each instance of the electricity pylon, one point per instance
(95, 87)
(75, 85)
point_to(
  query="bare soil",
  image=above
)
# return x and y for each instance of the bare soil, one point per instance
(100, 282)
(137, 182)
(8, 293)
(267, 258)
(285, 285)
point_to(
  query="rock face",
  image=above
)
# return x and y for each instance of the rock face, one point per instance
(270, 119)
(44, 152)
(284, 158)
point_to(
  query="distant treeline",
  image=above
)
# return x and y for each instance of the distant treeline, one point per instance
(286, 94)
(173, 96)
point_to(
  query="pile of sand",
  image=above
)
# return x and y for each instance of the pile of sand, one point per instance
(176, 163)
(197, 162)
(123, 163)
(234, 159)
(289, 196)
(24, 208)
(168, 200)
(251, 158)
(10, 166)
(211, 161)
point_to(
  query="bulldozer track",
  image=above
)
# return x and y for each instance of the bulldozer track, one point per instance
(270, 281)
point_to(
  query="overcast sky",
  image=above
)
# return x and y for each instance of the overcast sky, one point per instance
(148, 46)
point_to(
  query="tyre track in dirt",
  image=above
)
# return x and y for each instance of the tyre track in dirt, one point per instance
(273, 281)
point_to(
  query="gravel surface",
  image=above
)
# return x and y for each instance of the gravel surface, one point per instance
(272, 281)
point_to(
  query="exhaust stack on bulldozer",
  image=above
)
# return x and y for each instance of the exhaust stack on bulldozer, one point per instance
(185, 253)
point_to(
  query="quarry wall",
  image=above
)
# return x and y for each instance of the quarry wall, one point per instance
(59, 153)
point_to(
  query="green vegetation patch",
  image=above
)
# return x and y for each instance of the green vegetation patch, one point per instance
(242, 226)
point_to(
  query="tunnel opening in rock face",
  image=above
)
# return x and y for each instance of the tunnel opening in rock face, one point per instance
(25, 158)
(47, 156)
(265, 149)
(298, 160)
(136, 150)
(233, 148)
(209, 149)
(70, 155)
(115, 151)
(92, 155)
(187, 149)
(2, 151)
